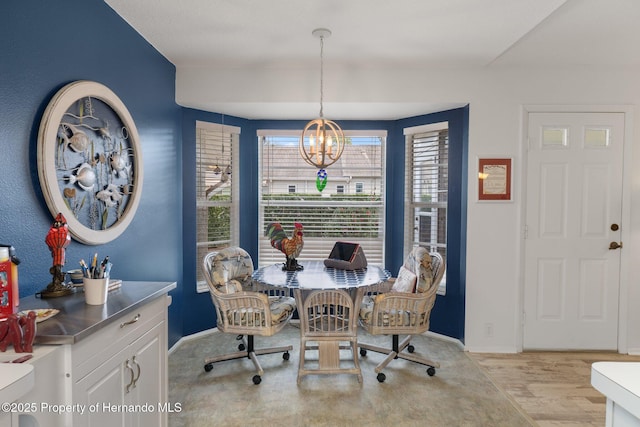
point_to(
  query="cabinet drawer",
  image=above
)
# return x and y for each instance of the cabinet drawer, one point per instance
(95, 350)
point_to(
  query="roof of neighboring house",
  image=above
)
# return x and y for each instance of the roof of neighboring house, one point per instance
(357, 160)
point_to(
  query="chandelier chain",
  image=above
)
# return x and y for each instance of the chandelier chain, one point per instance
(322, 141)
(321, 73)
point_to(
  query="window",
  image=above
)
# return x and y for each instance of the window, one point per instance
(326, 216)
(426, 189)
(216, 192)
(292, 189)
(359, 187)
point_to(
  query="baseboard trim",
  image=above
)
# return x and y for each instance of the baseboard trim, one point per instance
(633, 351)
(296, 322)
(445, 338)
(191, 337)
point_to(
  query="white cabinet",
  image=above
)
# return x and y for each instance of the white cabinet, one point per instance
(119, 374)
(126, 390)
(620, 383)
(49, 390)
(100, 365)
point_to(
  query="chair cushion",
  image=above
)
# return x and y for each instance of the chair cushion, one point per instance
(395, 318)
(366, 308)
(419, 260)
(405, 282)
(281, 309)
(232, 264)
(231, 287)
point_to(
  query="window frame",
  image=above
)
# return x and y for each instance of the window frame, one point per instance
(233, 204)
(319, 251)
(410, 205)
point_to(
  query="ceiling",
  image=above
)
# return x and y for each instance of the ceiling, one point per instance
(251, 38)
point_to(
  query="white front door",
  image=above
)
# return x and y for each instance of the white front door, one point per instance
(573, 215)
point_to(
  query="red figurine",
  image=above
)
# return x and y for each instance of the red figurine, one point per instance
(57, 239)
(19, 330)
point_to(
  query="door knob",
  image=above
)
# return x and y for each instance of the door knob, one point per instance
(615, 245)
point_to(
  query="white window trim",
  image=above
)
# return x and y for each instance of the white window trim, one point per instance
(348, 133)
(201, 286)
(408, 133)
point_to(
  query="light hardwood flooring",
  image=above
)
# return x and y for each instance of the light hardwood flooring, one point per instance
(552, 388)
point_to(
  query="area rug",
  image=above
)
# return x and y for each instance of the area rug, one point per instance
(460, 394)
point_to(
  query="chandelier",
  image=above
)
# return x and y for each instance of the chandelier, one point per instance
(322, 140)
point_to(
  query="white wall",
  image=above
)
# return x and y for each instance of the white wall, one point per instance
(496, 97)
(494, 269)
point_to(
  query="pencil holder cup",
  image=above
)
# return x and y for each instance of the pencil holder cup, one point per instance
(95, 290)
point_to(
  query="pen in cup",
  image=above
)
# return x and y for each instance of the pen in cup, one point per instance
(85, 269)
(96, 271)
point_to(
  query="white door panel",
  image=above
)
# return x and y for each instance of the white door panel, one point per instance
(574, 195)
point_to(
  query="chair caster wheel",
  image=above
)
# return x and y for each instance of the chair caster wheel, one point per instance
(363, 352)
(381, 377)
(241, 347)
(208, 367)
(286, 355)
(411, 348)
(257, 379)
(431, 371)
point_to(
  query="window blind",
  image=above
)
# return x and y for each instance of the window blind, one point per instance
(350, 208)
(426, 190)
(216, 198)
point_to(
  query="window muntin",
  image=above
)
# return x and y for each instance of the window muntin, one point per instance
(426, 189)
(216, 190)
(327, 216)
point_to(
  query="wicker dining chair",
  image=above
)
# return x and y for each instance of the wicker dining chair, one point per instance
(328, 319)
(402, 306)
(244, 308)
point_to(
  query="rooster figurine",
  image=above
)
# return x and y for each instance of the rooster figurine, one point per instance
(291, 247)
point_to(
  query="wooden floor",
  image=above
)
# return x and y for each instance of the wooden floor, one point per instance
(552, 388)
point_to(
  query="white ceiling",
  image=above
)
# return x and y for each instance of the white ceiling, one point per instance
(250, 38)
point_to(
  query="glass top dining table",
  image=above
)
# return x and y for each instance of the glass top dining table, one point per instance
(316, 276)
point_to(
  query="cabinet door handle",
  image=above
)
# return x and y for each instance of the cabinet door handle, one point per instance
(130, 322)
(131, 380)
(135, 380)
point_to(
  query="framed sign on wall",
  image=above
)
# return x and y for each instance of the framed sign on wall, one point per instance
(89, 161)
(494, 179)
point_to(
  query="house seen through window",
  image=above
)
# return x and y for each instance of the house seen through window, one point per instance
(350, 208)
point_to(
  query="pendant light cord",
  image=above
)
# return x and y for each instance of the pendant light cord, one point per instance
(321, 73)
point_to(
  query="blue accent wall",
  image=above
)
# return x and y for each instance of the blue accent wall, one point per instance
(448, 315)
(45, 45)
